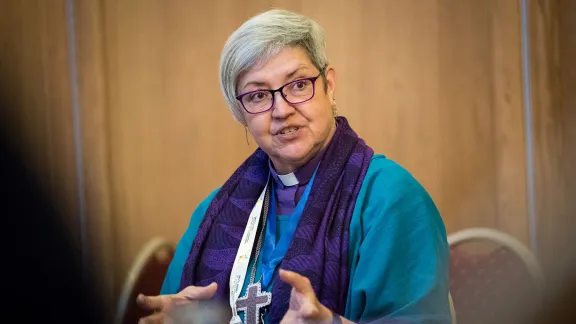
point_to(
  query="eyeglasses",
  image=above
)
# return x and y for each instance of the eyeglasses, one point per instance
(294, 92)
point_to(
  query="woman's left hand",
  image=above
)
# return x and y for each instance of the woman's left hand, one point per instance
(304, 306)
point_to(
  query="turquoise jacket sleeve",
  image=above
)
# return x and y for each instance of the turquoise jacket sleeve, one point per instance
(399, 251)
(171, 283)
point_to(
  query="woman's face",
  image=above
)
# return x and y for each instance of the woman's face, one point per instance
(291, 134)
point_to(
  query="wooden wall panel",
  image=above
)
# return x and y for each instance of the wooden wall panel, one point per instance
(35, 83)
(553, 76)
(437, 86)
(92, 87)
(171, 140)
(508, 106)
(568, 73)
(434, 85)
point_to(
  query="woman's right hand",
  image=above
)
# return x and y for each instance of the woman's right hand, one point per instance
(162, 305)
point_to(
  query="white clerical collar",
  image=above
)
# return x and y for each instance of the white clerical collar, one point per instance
(288, 179)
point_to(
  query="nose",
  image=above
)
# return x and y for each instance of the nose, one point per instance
(281, 108)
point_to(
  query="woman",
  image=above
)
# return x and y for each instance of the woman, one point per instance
(336, 233)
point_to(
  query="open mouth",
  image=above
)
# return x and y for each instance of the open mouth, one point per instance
(289, 130)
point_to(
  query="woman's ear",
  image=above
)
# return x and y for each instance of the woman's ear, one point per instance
(330, 75)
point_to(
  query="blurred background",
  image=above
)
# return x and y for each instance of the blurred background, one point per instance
(116, 105)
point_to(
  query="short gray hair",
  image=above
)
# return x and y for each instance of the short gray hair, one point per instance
(259, 39)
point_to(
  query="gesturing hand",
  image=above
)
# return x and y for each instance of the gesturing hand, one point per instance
(304, 306)
(162, 305)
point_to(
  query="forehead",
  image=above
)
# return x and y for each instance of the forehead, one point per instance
(288, 63)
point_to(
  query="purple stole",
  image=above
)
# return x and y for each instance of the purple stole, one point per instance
(319, 248)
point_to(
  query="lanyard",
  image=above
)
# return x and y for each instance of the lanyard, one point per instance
(272, 253)
(242, 259)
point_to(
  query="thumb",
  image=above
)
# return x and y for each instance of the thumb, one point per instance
(298, 282)
(195, 293)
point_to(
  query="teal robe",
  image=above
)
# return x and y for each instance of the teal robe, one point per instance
(398, 251)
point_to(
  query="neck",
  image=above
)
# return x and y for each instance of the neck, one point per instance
(286, 168)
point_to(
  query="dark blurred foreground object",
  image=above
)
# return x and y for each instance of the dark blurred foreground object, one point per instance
(145, 277)
(42, 277)
(494, 278)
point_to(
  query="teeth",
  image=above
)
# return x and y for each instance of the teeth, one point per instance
(289, 130)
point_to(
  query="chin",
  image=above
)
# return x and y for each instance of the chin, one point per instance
(291, 159)
(293, 155)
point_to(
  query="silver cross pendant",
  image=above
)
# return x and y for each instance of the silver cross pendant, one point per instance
(253, 302)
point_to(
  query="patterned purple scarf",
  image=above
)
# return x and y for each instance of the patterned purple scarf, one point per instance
(319, 248)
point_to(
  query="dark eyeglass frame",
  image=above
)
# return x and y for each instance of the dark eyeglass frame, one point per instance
(272, 92)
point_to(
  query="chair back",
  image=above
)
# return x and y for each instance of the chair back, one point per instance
(452, 310)
(145, 277)
(494, 278)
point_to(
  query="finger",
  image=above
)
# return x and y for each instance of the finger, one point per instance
(302, 304)
(156, 318)
(298, 282)
(153, 303)
(308, 308)
(196, 293)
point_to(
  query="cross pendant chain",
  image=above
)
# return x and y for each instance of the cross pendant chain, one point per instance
(255, 301)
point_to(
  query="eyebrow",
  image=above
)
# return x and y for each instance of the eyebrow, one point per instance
(288, 76)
